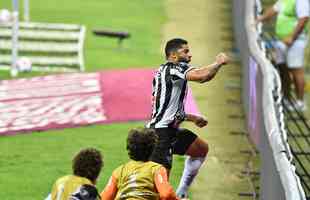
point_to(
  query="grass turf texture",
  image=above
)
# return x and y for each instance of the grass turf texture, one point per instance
(30, 163)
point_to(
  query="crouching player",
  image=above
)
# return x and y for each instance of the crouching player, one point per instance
(86, 166)
(139, 178)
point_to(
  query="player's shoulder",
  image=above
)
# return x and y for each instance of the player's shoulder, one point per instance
(154, 164)
(116, 172)
(182, 66)
(63, 179)
(163, 67)
(154, 167)
(70, 180)
(174, 68)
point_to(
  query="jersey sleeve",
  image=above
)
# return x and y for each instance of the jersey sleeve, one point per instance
(162, 185)
(302, 8)
(110, 190)
(179, 71)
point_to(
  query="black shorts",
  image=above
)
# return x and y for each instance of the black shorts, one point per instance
(171, 141)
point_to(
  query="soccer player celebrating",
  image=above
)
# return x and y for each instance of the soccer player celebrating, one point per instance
(139, 178)
(169, 92)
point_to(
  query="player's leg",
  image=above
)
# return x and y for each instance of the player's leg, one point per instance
(199, 148)
(285, 80)
(162, 153)
(280, 60)
(295, 63)
(189, 144)
(299, 83)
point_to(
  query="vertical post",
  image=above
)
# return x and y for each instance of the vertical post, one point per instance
(15, 27)
(26, 11)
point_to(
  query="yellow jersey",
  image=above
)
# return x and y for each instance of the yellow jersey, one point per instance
(136, 180)
(65, 186)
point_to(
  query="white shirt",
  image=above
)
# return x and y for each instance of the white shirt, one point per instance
(302, 8)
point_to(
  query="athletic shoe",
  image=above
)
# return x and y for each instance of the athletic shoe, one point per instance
(300, 106)
(183, 196)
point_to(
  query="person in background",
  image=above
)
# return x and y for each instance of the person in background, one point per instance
(291, 31)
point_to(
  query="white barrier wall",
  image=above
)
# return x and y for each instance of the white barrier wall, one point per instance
(262, 104)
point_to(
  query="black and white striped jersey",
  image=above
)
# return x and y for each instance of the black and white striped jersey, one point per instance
(169, 92)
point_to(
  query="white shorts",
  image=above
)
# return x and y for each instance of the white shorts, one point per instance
(292, 56)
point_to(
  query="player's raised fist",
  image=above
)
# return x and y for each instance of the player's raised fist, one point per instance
(222, 59)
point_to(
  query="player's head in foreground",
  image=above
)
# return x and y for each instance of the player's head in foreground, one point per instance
(141, 143)
(87, 163)
(177, 50)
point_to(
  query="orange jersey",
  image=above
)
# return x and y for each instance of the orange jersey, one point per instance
(139, 181)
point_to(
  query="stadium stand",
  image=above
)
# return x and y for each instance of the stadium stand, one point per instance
(49, 47)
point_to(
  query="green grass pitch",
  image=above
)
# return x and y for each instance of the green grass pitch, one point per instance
(30, 163)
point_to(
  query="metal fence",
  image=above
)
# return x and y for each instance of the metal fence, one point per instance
(261, 96)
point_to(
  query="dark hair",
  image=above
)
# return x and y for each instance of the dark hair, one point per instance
(87, 163)
(85, 192)
(140, 143)
(173, 45)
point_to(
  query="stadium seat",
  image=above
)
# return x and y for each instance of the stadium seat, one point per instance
(49, 47)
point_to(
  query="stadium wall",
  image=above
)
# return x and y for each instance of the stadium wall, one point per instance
(261, 98)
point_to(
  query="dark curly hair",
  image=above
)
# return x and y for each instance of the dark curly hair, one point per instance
(173, 45)
(140, 143)
(87, 163)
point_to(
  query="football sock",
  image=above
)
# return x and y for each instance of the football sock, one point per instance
(191, 168)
